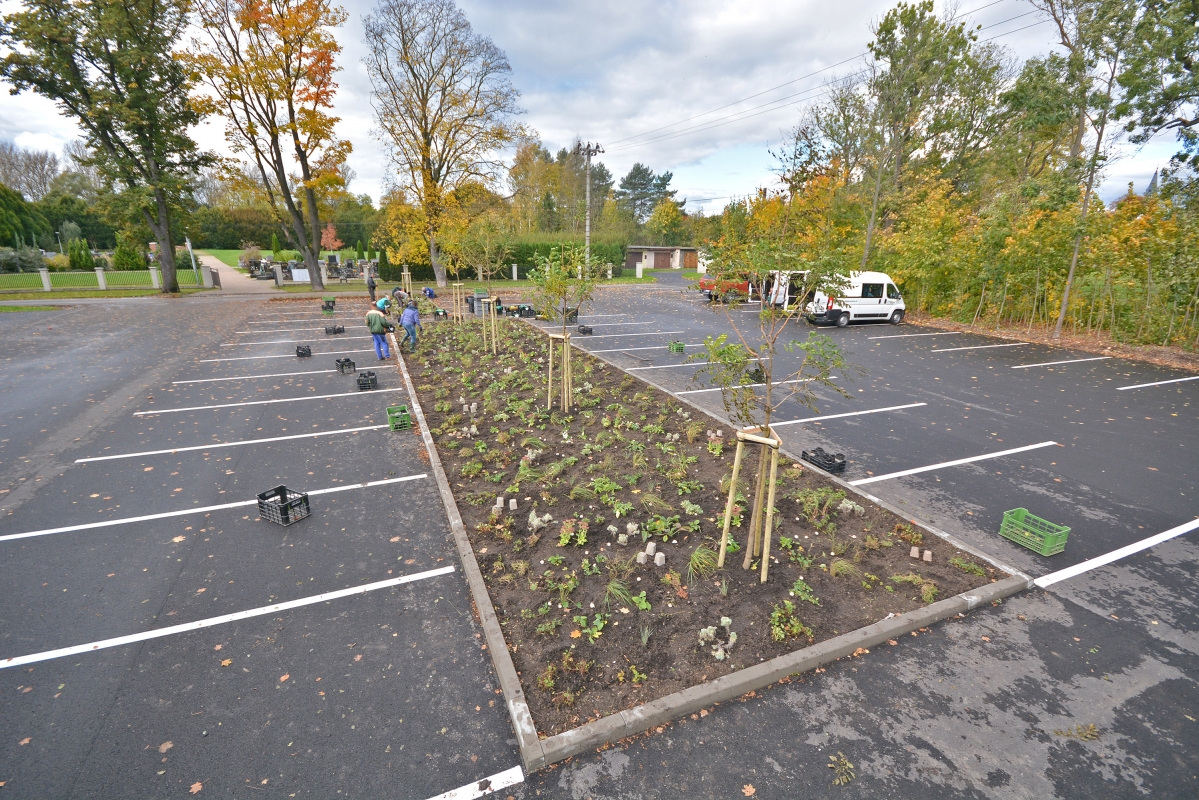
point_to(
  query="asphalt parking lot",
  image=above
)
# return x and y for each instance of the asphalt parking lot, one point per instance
(157, 634)
(338, 657)
(971, 707)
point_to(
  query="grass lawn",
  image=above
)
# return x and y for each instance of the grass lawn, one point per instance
(7, 309)
(227, 257)
(75, 295)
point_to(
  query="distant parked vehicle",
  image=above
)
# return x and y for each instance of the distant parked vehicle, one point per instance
(869, 297)
(722, 291)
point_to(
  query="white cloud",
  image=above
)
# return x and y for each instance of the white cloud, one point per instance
(607, 72)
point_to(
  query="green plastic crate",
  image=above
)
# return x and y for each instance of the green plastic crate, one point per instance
(398, 418)
(1039, 535)
(676, 347)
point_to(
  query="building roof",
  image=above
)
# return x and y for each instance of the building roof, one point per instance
(668, 248)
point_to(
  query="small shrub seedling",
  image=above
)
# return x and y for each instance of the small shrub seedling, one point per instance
(785, 623)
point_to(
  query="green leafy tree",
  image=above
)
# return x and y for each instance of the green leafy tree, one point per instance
(111, 66)
(127, 256)
(1162, 78)
(276, 249)
(641, 191)
(667, 225)
(80, 255)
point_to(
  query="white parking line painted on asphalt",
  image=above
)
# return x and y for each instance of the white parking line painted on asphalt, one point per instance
(285, 355)
(627, 349)
(199, 624)
(200, 509)
(752, 385)
(264, 402)
(958, 462)
(823, 417)
(908, 335)
(1115, 555)
(1157, 383)
(669, 366)
(298, 330)
(289, 341)
(219, 445)
(603, 324)
(980, 347)
(612, 335)
(1052, 363)
(473, 791)
(252, 377)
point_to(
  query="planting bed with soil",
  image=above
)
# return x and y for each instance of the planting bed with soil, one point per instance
(593, 630)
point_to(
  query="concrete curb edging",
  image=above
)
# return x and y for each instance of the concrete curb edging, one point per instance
(665, 709)
(501, 659)
(539, 753)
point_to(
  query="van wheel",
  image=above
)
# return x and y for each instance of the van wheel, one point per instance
(843, 320)
(897, 317)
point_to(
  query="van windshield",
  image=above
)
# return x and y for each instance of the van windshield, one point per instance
(892, 292)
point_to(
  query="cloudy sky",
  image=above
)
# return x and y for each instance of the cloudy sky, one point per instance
(702, 88)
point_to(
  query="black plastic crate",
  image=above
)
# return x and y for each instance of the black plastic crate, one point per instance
(330, 330)
(367, 381)
(283, 506)
(346, 366)
(826, 461)
(585, 330)
(303, 351)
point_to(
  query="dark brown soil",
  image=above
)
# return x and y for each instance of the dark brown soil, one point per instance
(568, 675)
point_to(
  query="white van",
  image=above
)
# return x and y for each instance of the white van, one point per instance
(869, 297)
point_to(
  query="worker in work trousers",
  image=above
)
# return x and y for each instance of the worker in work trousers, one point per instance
(378, 325)
(410, 319)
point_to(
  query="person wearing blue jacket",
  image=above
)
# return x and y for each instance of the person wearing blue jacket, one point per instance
(410, 320)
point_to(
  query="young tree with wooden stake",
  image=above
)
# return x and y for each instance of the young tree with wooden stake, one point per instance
(784, 278)
(270, 65)
(113, 68)
(561, 284)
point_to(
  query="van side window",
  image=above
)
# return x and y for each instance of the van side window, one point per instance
(892, 292)
(872, 290)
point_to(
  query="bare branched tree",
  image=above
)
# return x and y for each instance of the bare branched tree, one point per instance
(29, 172)
(442, 100)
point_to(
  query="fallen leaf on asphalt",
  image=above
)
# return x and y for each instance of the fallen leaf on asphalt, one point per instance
(748, 790)
(892, 642)
(226, 662)
(148, 469)
(165, 746)
(284, 678)
(25, 741)
(111, 574)
(178, 539)
(395, 538)
(218, 647)
(358, 657)
(196, 787)
(410, 561)
(27, 690)
(986, 638)
(201, 589)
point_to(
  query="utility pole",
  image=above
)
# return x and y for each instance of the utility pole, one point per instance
(588, 150)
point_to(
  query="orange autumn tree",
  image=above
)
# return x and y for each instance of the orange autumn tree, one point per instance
(329, 240)
(270, 65)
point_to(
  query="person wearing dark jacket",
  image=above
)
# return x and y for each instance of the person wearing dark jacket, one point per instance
(378, 325)
(370, 283)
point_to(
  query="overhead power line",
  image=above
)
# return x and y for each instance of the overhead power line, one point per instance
(778, 103)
